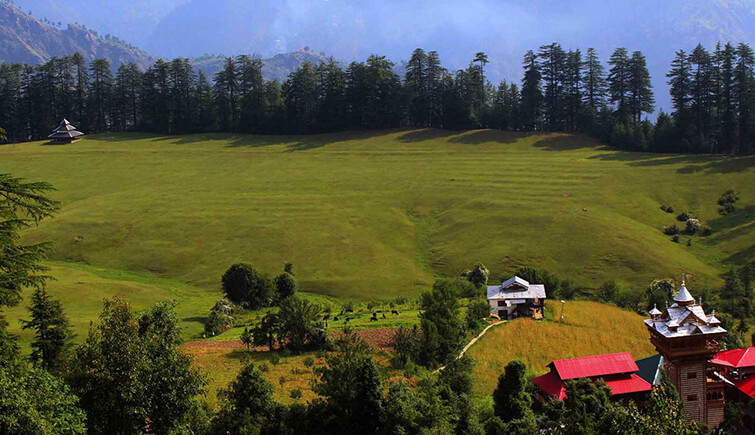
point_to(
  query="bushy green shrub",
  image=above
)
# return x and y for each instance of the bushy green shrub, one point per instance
(400, 300)
(478, 275)
(675, 239)
(244, 285)
(275, 358)
(685, 216)
(693, 226)
(309, 361)
(263, 367)
(286, 285)
(296, 394)
(706, 230)
(477, 311)
(728, 201)
(217, 323)
(671, 230)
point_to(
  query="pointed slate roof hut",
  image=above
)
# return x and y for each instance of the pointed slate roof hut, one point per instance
(65, 133)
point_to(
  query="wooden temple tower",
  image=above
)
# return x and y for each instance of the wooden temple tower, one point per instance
(687, 339)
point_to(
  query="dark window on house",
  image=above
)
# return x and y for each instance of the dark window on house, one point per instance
(501, 303)
(692, 375)
(692, 398)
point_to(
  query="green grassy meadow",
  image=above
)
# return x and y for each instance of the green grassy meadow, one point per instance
(369, 215)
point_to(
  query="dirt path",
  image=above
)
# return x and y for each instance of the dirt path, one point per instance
(472, 342)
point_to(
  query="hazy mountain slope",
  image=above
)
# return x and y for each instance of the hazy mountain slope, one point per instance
(132, 20)
(277, 67)
(25, 39)
(354, 29)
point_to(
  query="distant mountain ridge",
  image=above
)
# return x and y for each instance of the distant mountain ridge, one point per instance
(25, 39)
(277, 67)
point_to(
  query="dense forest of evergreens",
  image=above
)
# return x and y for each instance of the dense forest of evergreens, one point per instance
(713, 95)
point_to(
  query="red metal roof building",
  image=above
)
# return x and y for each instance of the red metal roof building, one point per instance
(618, 370)
(738, 367)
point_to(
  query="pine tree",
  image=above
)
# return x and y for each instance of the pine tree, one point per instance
(619, 82)
(435, 74)
(481, 98)
(251, 91)
(181, 84)
(701, 94)
(226, 95)
(531, 94)
(641, 99)
(331, 91)
(552, 66)
(100, 93)
(679, 80)
(573, 88)
(417, 88)
(205, 105)
(128, 86)
(52, 332)
(727, 101)
(81, 91)
(594, 80)
(744, 91)
(300, 96)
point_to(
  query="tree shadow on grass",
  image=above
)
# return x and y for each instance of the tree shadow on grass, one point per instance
(565, 141)
(123, 137)
(425, 134)
(694, 163)
(313, 141)
(478, 137)
(741, 220)
(744, 256)
(722, 165)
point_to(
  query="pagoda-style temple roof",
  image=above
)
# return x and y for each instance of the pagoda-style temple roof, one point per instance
(684, 296)
(684, 318)
(65, 131)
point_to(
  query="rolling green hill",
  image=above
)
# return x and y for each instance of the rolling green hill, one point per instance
(380, 214)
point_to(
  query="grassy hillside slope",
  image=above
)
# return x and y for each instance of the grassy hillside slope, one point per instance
(379, 214)
(589, 328)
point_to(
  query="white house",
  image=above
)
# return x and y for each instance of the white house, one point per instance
(516, 297)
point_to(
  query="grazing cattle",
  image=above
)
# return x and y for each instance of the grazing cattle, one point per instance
(384, 315)
(348, 319)
(394, 312)
(373, 319)
(326, 317)
(335, 319)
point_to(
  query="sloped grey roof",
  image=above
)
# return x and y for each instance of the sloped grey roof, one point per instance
(684, 296)
(687, 319)
(65, 129)
(533, 291)
(515, 280)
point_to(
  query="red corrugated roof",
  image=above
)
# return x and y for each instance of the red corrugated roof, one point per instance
(625, 384)
(597, 365)
(619, 384)
(746, 385)
(551, 385)
(737, 358)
